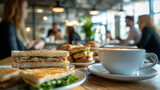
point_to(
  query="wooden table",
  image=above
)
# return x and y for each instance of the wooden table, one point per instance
(98, 83)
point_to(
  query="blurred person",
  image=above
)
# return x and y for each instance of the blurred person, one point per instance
(55, 32)
(12, 26)
(134, 33)
(150, 39)
(72, 35)
(109, 35)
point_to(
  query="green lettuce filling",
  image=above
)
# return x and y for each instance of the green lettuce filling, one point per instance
(82, 52)
(50, 84)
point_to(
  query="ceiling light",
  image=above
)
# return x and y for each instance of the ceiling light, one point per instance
(121, 11)
(28, 29)
(94, 11)
(58, 8)
(39, 10)
(45, 18)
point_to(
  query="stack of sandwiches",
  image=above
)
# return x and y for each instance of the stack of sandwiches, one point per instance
(36, 79)
(40, 59)
(9, 77)
(78, 53)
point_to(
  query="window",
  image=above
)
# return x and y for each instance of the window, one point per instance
(157, 21)
(156, 7)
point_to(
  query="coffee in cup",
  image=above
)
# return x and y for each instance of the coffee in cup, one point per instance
(124, 61)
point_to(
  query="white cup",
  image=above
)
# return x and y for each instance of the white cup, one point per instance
(124, 61)
(119, 46)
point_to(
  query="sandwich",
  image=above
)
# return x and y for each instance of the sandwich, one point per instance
(40, 59)
(82, 54)
(94, 48)
(9, 77)
(78, 53)
(69, 47)
(46, 78)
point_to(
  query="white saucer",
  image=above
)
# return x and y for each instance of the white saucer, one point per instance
(82, 63)
(81, 79)
(98, 70)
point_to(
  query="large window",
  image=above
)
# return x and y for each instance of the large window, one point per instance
(156, 7)
(156, 10)
(157, 21)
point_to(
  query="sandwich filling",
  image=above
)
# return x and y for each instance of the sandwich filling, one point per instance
(39, 59)
(50, 84)
(83, 56)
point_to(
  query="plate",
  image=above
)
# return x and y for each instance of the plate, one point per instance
(143, 74)
(6, 66)
(82, 63)
(71, 67)
(81, 79)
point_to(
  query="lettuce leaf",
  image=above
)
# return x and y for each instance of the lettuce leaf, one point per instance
(82, 52)
(50, 84)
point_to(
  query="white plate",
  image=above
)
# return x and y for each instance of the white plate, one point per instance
(6, 66)
(71, 67)
(81, 79)
(98, 70)
(82, 63)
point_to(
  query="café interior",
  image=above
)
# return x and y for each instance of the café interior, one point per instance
(110, 44)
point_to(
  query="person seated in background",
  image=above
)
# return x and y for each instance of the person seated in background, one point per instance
(12, 35)
(72, 35)
(150, 39)
(55, 32)
(134, 33)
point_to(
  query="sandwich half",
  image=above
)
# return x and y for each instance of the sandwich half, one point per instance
(40, 59)
(82, 54)
(9, 77)
(46, 78)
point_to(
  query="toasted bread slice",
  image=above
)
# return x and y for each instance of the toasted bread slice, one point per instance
(66, 47)
(36, 77)
(42, 53)
(11, 82)
(83, 54)
(8, 73)
(9, 77)
(78, 49)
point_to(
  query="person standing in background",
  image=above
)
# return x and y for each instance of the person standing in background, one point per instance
(134, 33)
(150, 39)
(55, 32)
(12, 26)
(72, 35)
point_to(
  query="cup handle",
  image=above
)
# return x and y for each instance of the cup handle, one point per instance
(155, 60)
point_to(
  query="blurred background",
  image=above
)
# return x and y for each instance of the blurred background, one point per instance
(106, 15)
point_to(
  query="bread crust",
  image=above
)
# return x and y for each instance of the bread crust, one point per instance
(78, 49)
(43, 53)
